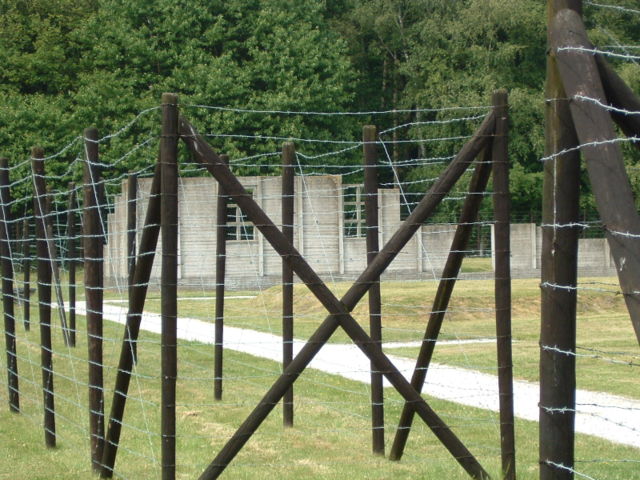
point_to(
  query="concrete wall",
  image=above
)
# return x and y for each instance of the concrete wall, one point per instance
(319, 236)
(318, 226)
(594, 256)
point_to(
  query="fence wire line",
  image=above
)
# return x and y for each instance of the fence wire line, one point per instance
(247, 377)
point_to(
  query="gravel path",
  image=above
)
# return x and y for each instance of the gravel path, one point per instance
(611, 417)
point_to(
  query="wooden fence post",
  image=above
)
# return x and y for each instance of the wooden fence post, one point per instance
(221, 263)
(288, 202)
(502, 228)
(26, 272)
(375, 302)
(169, 280)
(93, 287)
(72, 253)
(559, 268)
(7, 287)
(132, 225)
(44, 295)
(55, 270)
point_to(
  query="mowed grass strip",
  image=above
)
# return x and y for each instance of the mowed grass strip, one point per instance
(331, 438)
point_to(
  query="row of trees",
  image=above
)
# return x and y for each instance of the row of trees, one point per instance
(68, 64)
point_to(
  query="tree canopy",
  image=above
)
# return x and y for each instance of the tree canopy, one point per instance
(69, 64)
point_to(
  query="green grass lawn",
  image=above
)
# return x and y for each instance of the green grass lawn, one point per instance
(331, 438)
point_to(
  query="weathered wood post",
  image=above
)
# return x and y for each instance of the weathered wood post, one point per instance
(375, 302)
(142, 274)
(44, 294)
(288, 200)
(26, 272)
(221, 263)
(7, 287)
(55, 270)
(94, 291)
(502, 229)
(169, 280)
(448, 279)
(132, 209)
(559, 270)
(72, 261)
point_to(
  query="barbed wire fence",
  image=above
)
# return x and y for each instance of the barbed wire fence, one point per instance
(333, 399)
(80, 228)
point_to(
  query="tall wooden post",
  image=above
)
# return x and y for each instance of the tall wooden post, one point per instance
(169, 280)
(94, 291)
(44, 294)
(72, 261)
(132, 223)
(288, 200)
(559, 265)
(502, 227)
(55, 269)
(144, 264)
(26, 272)
(375, 309)
(7, 287)
(221, 263)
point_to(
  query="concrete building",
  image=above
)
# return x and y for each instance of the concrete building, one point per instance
(329, 231)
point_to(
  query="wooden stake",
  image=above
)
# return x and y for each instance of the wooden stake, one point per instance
(72, 260)
(559, 267)
(221, 262)
(44, 295)
(502, 227)
(26, 272)
(132, 206)
(7, 287)
(605, 164)
(144, 264)
(288, 202)
(375, 303)
(94, 291)
(169, 280)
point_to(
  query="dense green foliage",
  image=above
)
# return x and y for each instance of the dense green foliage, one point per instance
(69, 64)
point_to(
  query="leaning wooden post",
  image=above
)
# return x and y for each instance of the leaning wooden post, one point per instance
(132, 225)
(502, 251)
(26, 272)
(142, 274)
(288, 187)
(375, 309)
(448, 278)
(55, 270)
(93, 287)
(44, 295)
(221, 263)
(72, 252)
(169, 280)
(559, 270)
(7, 287)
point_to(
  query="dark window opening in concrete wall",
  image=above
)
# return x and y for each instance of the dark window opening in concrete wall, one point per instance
(354, 213)
(238, 225)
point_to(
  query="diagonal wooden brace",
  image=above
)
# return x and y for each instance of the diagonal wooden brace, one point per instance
(339, 309)
(450, 273)
(609, 179)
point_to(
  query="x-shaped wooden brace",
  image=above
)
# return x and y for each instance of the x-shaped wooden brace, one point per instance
(339, 309)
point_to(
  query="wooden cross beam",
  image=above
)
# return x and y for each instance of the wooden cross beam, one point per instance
(339, 309)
